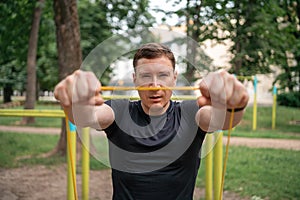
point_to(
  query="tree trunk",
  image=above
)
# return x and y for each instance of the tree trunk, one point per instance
(68, 48)
(31, 61)
(7, 93)
(193, 31)
(237, 63)
(191, 53)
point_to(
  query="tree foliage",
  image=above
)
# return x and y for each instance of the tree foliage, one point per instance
(124, 15)
(191, 15)
(15, 24)
(99, 20)
(288, 55)
(263, 34)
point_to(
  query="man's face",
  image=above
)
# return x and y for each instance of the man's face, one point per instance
(157, 72)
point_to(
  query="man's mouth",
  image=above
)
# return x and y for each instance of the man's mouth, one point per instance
(155, 97)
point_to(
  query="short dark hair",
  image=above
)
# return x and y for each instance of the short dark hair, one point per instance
(153, 50)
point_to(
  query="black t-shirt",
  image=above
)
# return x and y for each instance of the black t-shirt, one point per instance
(154, 157)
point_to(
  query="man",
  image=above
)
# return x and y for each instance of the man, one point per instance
(154, 143)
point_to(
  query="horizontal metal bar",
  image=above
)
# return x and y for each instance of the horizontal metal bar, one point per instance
(31, 113)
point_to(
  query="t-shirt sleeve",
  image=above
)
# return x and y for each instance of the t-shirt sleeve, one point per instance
(118, 107)
(189, 110)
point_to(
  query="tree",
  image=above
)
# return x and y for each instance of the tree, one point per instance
(195, 22)
(14, 43)
(250, 25)
(68, 48)
(94, 26)
(124, 15)
(94, 29)
(289, 56)
(14, 47)
(255, 30)
(31, 61)
(191, 15)
(110, 20)
(47, 71)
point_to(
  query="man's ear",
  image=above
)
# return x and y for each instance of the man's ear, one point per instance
(134, 78)
(175, 77)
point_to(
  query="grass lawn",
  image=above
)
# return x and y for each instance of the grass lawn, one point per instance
(16, 145)
(284, 117)
(264, 173)
(284, 129)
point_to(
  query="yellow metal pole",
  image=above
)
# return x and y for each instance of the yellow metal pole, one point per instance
(85, 163)
(31, 113)
(254, 123)
(226, 154)
(208, 168)
(71, 161)
(218, 163)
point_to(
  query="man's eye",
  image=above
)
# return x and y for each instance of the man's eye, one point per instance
(163, 75)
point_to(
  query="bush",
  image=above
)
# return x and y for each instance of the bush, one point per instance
(291, 99)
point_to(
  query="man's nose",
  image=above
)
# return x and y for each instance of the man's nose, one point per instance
(154, 82)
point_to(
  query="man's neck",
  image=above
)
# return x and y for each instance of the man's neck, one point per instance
(155, 111)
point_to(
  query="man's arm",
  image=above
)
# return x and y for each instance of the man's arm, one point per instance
(79, 95)
(221, 92)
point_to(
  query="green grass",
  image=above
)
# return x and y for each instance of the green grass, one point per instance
(16, 145)
(264, 134)
(100, 158)
(265, 173)
(284, 116)
(264, 123)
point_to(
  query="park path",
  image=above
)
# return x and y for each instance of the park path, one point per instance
(234, 141)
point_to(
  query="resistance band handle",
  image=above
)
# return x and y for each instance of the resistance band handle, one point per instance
(235, 109)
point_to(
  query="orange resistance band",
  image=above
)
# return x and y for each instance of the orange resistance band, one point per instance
(226, 153)
(125, 88)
